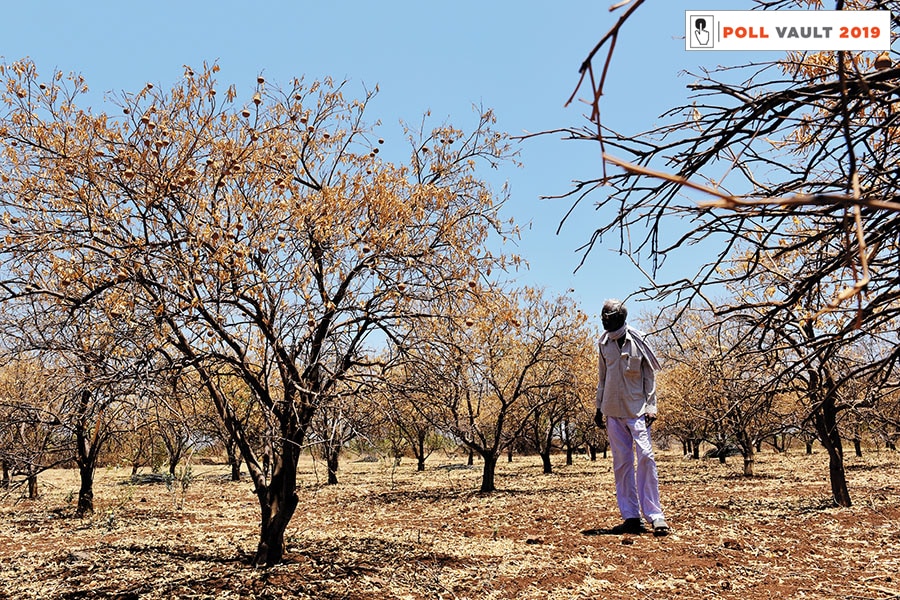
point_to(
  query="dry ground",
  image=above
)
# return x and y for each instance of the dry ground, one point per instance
(388, 532)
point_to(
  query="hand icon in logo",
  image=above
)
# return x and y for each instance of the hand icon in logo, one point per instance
(701, 32)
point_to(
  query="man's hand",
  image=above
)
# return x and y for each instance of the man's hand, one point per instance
(598, 419)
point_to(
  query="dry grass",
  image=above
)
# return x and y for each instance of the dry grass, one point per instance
(388, 532)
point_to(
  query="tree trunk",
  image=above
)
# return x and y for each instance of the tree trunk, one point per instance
(825, 420)
(32, 487)
(277, 496)
(4, 484)
(748, 452)
(545, 461)
(779, 447)
(826, 425)
(809, 448)
(857, 446)
(420, 452)
(471, 460)
(695, 449)
(86, 491)
(569, 456)
(86, 454)
(277, 502)
(234, 459)
(821, 392)
(838, 477)
(488, 473)
(137, 454)
(331, 459)
(509, 455)
(592, 452)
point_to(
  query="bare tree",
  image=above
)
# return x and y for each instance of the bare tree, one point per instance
(93, 360)
(257, 234)
(796, 157)
(403, 394)
(487, 363)
(32, 436)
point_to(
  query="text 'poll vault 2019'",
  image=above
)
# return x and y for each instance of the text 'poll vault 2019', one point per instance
(787, 30)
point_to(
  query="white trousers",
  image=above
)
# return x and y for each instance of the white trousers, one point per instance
(637, 490)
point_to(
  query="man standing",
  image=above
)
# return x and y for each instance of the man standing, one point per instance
(626, 394)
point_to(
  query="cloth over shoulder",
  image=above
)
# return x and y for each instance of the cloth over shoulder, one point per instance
(638, 337)
(626, 386)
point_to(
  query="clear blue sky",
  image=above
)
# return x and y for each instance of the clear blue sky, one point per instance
(520, 58)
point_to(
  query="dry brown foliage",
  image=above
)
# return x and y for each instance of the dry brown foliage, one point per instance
(394, 533)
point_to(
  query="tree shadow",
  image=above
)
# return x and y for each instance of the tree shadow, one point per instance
(862, 467)
(395, 496)
(322, 569)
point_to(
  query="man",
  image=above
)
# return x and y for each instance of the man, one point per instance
(626, 394)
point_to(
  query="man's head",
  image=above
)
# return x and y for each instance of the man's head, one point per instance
(613, 314)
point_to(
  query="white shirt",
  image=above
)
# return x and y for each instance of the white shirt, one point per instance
(626, 386)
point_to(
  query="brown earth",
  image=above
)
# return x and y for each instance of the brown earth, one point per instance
(387, 532)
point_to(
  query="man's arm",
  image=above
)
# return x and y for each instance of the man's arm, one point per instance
(601, 385)
(648, 376)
